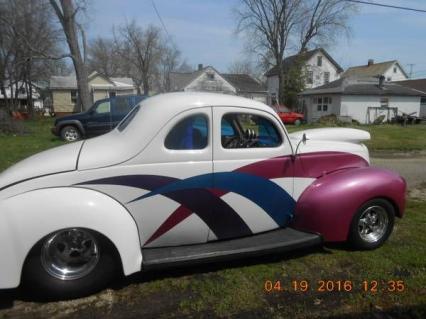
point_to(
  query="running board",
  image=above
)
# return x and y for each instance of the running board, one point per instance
(276, 241)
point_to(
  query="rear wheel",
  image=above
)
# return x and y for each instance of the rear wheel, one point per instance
(70, 133)
(372, 224)
(70, 263)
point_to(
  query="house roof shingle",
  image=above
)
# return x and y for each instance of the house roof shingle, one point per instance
(70, 82)
(244, 82)
(241, 82)
(417, 84)
(362, 86)
(373, 69)
(305, 56)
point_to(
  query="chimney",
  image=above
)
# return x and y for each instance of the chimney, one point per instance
(370, 62)
(200, 67)
(381, 81)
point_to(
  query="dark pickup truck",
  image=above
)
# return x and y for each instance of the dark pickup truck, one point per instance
(102, 117)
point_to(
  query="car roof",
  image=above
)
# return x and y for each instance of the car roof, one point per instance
(153, 113)
(177, 102)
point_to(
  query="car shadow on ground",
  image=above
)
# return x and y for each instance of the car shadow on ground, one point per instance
(8, 297)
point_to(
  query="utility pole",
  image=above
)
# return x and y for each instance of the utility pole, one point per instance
(411, 69)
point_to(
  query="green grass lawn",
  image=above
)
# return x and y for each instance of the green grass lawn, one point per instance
(237, 289)
(14, 148)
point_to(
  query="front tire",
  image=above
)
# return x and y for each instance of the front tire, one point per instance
(372, 224)
(70, 133)
(70, 263)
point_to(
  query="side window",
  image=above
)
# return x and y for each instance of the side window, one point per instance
(242, 130)
(104, 107)
(191, 133)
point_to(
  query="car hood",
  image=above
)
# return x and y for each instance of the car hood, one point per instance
(334, 139)
(59, 159)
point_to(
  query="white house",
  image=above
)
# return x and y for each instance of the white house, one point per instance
(319, 67)
(360, 99)
(65, 95)
(208, 79)
(391, 70)
(420, 85)
(18, 91)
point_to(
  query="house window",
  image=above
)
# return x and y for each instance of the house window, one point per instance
(210, 76)
(74, 96)
(384, 102)
(394, 69)
(326, 77)
(322, 103)
(310, 77)
(112, 94)
(319, 60)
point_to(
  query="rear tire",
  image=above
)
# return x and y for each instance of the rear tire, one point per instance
(70, 263)
(372, 224)
(70, 133)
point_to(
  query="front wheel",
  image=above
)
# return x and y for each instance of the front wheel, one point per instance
(70, 263)
(372, 224)
(70, 133)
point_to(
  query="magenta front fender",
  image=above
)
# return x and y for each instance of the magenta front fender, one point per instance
(328, 205)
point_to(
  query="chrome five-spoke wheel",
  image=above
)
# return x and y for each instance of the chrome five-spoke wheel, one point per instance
(70, 254)
(71, 263)
(372, 224)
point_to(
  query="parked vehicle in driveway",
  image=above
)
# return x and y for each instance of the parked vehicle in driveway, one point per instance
(287, 116)
(101, 118)
(187, 178)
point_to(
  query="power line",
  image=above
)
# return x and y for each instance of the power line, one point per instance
(159, 17)
(387, 6)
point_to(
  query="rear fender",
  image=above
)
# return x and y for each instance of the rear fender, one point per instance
(28, 217)
(328, 205)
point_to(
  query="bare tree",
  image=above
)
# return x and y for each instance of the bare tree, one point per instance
(66, 12)
(246, 66)
(323, 21)
(272, 25)
(141, 48)
(28, 41)
(170, 57)
(105, 58)
(185, 67)
(269, 24)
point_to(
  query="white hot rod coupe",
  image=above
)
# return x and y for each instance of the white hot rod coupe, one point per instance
(187, 178)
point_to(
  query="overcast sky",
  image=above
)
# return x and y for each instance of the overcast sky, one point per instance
(204, 30)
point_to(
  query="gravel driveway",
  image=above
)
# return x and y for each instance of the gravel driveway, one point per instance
(413, 169)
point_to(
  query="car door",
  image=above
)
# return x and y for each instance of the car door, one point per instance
(253, 172)
(176, 172)
(99, 121)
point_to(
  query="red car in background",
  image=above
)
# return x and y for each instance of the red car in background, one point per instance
(287, 116)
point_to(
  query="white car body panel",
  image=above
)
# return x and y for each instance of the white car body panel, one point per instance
(65, 187)
(28, 217)
(42, 164)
